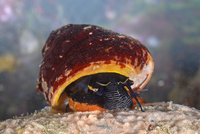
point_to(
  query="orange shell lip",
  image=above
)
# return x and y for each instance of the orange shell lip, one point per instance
(76, 106)
(74, 51)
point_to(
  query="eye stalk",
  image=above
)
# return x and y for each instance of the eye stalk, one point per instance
(133, 95)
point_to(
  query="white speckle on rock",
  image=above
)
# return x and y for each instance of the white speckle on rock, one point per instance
(139, 118)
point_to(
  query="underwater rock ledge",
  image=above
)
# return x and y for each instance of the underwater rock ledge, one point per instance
(160, 117)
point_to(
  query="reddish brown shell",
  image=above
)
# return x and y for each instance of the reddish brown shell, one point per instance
(73, 51)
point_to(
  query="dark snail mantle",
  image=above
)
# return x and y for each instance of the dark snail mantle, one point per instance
(76, 51)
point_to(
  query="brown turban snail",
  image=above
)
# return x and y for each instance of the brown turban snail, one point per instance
(91, 68)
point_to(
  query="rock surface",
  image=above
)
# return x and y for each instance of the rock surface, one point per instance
(158, 118)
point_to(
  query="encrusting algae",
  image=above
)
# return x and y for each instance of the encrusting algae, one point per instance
(8, 62)
(158, 118)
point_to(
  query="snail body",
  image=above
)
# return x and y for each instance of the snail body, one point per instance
(91, 68)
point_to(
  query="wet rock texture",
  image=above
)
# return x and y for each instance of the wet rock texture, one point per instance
(158, 118)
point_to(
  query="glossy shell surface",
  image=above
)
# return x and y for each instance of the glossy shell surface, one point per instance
(74, 51)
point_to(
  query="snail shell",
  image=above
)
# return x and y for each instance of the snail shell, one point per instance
(75, 51)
